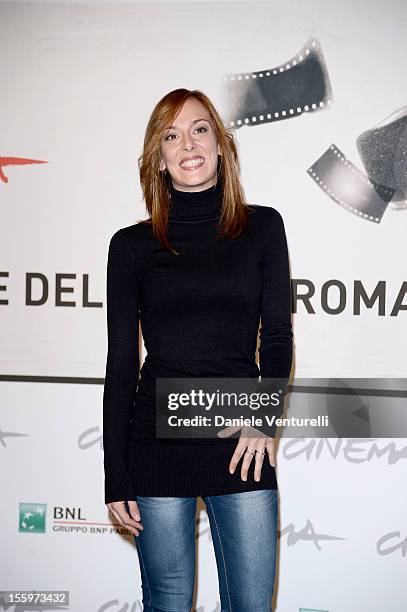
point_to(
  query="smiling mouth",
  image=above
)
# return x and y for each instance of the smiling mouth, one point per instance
(192, 163)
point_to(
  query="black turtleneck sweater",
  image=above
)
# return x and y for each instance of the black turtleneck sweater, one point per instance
(199, 314)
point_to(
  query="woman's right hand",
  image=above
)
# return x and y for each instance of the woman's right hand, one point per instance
(119, 511)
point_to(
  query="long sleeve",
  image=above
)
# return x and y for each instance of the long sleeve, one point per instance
(122, 365)
(276, 335)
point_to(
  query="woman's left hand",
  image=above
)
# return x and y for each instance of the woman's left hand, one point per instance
(262, 444)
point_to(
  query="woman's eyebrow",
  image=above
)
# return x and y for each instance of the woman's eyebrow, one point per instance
(193, 123)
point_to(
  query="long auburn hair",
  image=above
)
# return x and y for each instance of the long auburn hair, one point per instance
(156, 183)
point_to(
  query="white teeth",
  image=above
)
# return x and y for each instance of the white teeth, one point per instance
(192, 162)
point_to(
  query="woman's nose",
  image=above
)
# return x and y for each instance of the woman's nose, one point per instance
(188, 142)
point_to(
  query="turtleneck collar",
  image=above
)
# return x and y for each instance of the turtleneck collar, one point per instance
(195, 206)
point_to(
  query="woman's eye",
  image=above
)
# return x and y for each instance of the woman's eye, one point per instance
(201, 130)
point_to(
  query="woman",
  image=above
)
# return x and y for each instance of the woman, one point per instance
(199, 274)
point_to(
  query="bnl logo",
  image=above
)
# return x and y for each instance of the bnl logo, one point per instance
(32, 518)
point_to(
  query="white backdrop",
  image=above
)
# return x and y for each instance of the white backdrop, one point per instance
(78, 85)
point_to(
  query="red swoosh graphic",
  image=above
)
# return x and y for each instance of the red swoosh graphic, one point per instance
(16, 161)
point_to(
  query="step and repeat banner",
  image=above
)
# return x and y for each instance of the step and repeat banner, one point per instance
(316, 96)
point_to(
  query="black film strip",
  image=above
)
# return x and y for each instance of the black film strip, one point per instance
(349, 187)
(298, 86)
(383, 150)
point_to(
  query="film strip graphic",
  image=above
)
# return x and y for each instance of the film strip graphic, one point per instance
(383, 151)
(298, 86)
(349, 187)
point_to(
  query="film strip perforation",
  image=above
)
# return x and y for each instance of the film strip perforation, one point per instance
(278, 114)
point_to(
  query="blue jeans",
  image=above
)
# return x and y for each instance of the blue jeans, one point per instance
(244, 533)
